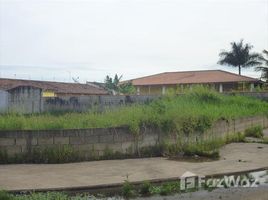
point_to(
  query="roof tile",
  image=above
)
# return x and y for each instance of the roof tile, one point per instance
(57, 87)
(192, 77)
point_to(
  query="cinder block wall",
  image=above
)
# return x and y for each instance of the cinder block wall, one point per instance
(94, 142)
(25, 99)
(3, 101)
(93, 102)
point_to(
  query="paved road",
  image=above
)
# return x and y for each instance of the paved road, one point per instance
(235, 157)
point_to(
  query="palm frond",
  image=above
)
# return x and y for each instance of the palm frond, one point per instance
(252, 63)
(240, 55)
(265, 60)
(261, 68)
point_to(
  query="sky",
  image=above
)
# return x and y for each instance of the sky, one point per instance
(58, 40)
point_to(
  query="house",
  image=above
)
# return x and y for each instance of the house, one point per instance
(53, 89)
(220, 80)
(3, 101)
(25, 99)
(27, 96)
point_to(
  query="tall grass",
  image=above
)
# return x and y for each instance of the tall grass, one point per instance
(196, 110)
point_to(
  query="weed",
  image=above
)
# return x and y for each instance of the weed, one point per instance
(237, 137)
(128, 190)
(5, 196)
(208, 148)
(151, 151)
(145, 188)
(265, 141)
(59, 154)
(165, 188)
(196, 110)
(255, 131)
(3, 157)
(169, 188)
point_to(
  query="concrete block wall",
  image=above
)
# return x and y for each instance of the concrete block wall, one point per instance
(259, 95)
(21, 101)
(3, 101)
(92, 102)
(25, 99)
(222, 128)
(94, 142)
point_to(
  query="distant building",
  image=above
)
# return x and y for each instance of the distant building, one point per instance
(53, 89)
(220, 80)
(25, 99)
(3, 101)
(26, 96)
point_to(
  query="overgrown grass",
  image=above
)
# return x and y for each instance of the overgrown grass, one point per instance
(205, 148)
(41, 196)
(265, 141)
(57, 154)
(196, 110)
(255, 131)
(128, 190)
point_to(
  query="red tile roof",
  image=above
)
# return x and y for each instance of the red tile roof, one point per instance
(191, 77)
(57, 87)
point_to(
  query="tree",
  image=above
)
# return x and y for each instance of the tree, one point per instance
(113, 84)
(264, 68)
(239, 56)
(127, 88)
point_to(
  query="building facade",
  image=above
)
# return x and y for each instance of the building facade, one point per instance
(219, 80)
(26, 96)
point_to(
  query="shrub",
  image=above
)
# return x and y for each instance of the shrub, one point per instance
(237, 137)
(265, 141)
(5, 196)
(204, 94)
(169, 188)
(255, 131)
(59, 154)
(145, 188)
(128, 190)
(151, 151)
(208, 149)
(3, 157)
(44, 196)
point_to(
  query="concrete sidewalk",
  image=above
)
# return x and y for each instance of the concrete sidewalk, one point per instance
(234, 158)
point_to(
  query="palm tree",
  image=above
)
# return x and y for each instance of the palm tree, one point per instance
(264, 68)
(239, 56)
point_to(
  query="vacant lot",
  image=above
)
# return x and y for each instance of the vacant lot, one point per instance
(196, 110)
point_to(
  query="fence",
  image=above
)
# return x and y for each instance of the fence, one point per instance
(95, 103)
(3, 101)
(29, 100)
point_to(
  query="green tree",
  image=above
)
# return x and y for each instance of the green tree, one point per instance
(239, 56)
(127, 88)
(264, 67)
(114, 85)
